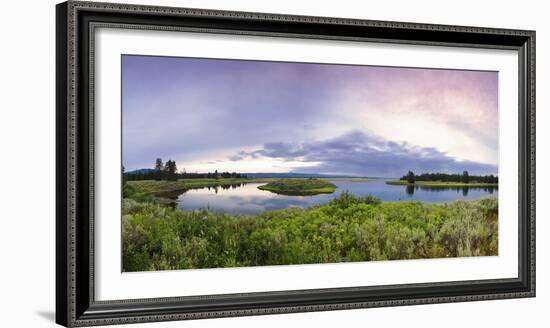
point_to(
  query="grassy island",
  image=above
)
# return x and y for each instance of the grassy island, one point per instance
(441, 183)
(299, 187)
(166, 191)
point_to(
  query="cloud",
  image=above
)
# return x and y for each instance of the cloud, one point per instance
(197, 110)
(239, 156)
(455, 111)
(364, 154)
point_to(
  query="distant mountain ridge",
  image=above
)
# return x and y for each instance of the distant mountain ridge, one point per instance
(262, 175)
(139, 171)
(296, 175)
(268, 175)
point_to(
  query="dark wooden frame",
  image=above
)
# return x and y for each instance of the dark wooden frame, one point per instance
(75, 303)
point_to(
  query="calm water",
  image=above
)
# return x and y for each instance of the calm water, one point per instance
(248, 199)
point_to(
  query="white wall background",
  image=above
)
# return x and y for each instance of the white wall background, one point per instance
(27, 139)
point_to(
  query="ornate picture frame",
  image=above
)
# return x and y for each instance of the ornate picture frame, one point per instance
(77, 23)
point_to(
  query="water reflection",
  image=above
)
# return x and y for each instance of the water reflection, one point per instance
(464, 190)
(222, 187)
(248, 199)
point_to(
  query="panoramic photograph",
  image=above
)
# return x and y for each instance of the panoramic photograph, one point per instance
(241, 163)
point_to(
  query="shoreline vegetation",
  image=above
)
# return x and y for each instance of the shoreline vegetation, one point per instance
(446, 180)
(172, 189)
(440, 184)
(156, 235)
(166, 190)
(299, 187)
(346, 229)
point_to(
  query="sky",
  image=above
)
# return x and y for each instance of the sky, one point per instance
(260, 116)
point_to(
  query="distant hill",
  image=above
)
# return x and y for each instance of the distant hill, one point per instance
(265, 175)
(295, 175)
(139, 171)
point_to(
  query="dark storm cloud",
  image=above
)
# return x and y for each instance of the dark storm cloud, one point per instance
(362, 154)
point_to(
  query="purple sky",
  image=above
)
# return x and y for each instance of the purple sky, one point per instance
(255, 116)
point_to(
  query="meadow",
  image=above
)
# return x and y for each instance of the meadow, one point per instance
(169, 189)
(346, 229)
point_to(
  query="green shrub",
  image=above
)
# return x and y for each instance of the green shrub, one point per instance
(348, 228)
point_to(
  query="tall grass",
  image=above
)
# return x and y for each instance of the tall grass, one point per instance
(348, 228)
(299, 187)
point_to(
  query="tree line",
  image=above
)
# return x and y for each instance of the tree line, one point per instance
(465, 177)
(169, 171)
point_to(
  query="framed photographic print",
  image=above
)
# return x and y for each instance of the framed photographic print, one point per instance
(215, 163)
